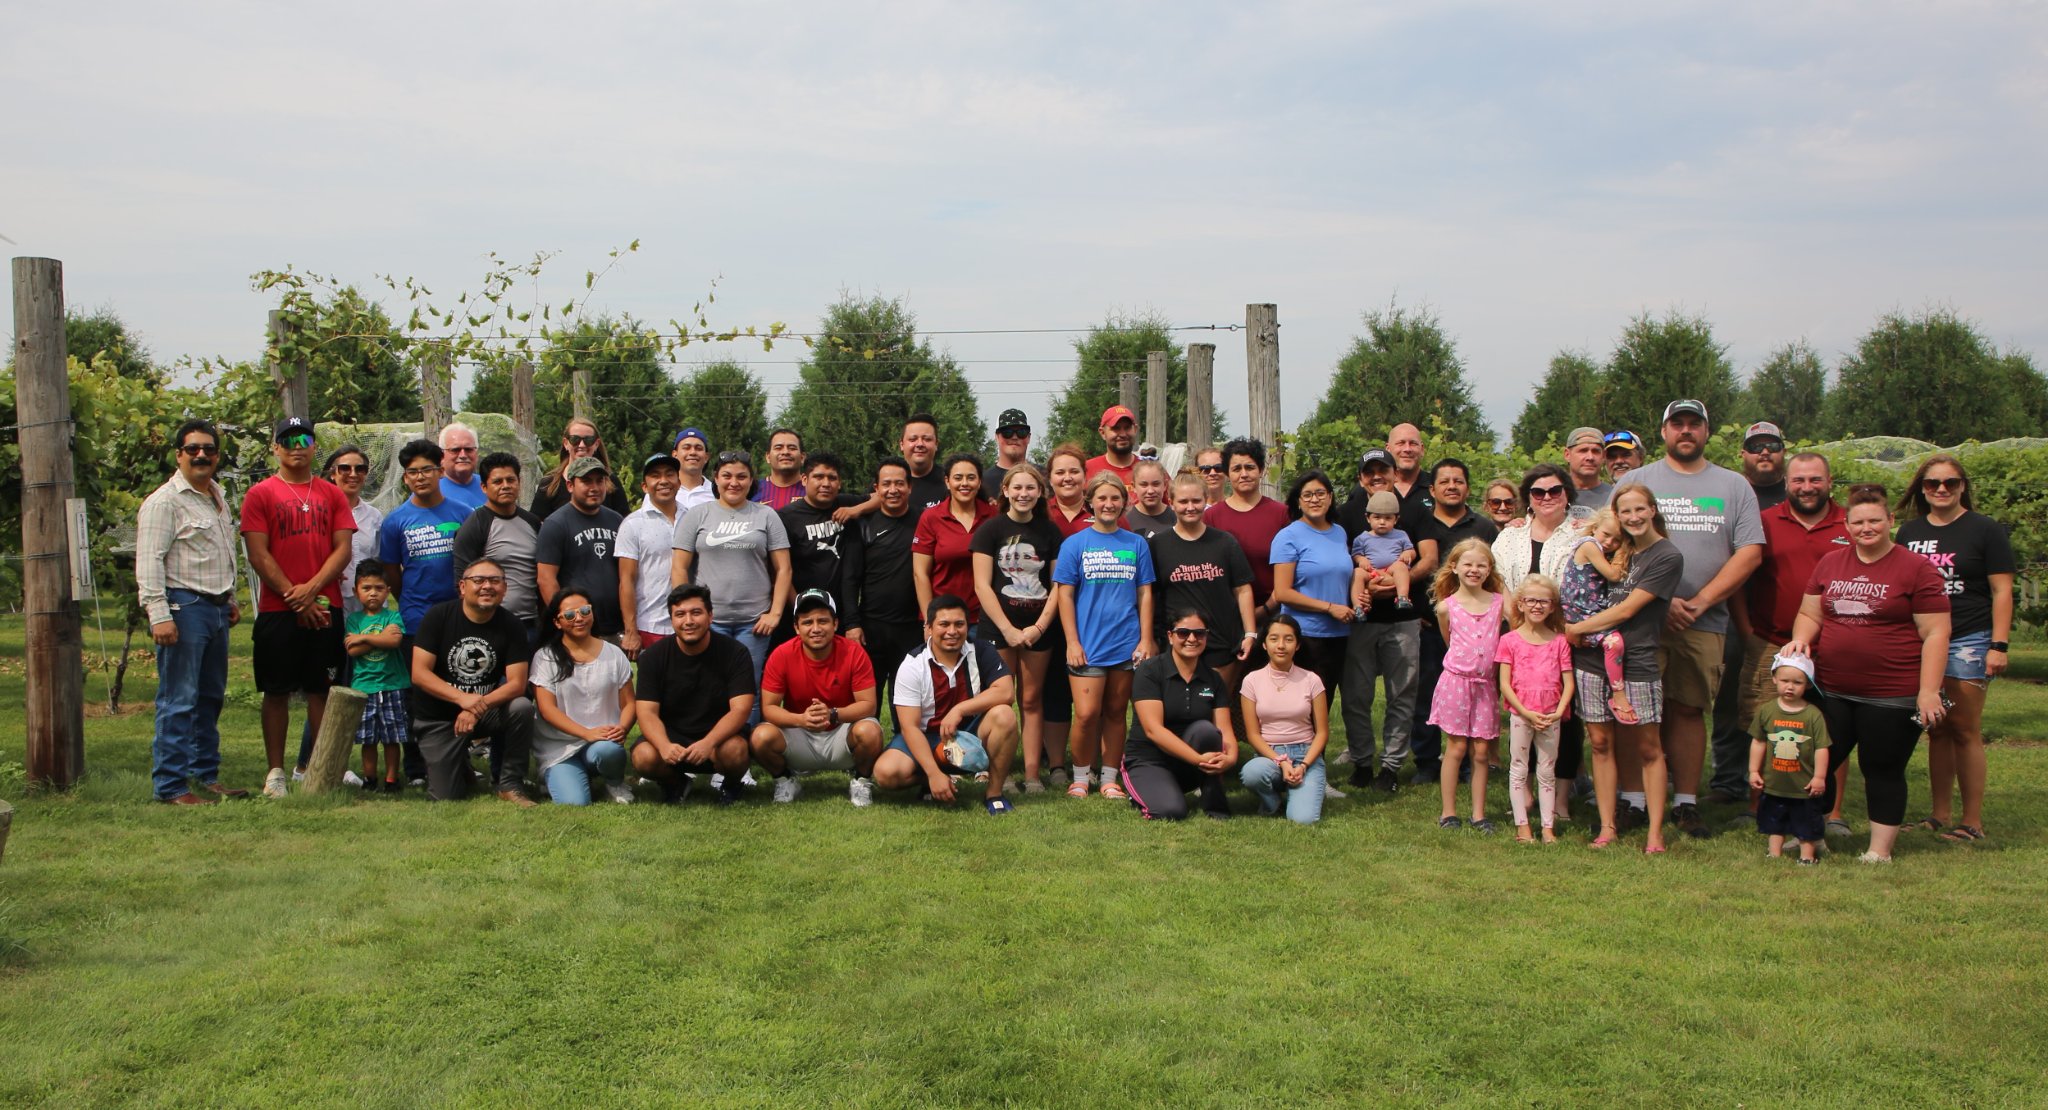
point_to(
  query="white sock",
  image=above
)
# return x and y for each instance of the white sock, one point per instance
(1636, 798)
(1686, 799)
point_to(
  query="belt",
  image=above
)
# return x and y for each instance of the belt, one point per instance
(223, 598)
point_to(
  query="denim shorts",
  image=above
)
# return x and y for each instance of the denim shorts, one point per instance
(1966, 657)
(1092, 671)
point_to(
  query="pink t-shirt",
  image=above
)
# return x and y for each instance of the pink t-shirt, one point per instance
(1286, 703)
(1536, 670)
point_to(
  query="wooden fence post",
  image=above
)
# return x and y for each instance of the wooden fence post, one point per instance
(1127, 390)
(335, 740)
(437, 391)
(56, 648)
(1155, 398)
(1201, 396)
(294, 392)
(579, 393)
(1262, 373)
(522, 394)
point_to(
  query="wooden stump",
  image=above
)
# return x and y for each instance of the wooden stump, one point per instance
(335, 740)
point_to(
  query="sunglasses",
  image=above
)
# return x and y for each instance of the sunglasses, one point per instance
(351, 468)
(1211, 468)
(1189, 633)
(1546, 492)
(725, 457)
(197, 449)
(297, 442)
(1501, 502)
(1764, 447)
(581, 441)
(1940, 485)
(572, 614)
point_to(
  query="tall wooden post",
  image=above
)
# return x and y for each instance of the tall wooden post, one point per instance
(522, 394)
(42, 400)
(579, 393)
(294, 392)
(437, 391)
(1127, 390)
(1155, 398)
(1201, 396)
(1262, 373)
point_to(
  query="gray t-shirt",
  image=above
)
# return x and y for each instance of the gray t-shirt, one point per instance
(511, 542)
(729, 549)
(1587, 503)
(1708, 515)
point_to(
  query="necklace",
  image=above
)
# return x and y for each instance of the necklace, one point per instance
(305, 503)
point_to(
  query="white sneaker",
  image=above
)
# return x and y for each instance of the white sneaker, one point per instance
(275, 784)
(298, 774)
(787, 787)
(1332, 792)
(621, 792)
(861, 792)
(351, 778)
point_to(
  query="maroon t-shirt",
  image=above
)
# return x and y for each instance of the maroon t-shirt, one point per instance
(1254, 531)
(300, 522)
(940, 536)
(1868, 645)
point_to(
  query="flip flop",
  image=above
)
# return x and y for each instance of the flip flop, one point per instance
(1963, 834)
(1623, 712)
(1930, 825)
(996, 806)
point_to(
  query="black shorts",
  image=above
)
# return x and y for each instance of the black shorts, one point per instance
(294, 660)
(1799, 818)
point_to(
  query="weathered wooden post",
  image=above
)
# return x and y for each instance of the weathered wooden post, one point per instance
(1201, 396)
(579, 393)
(437, 391)
(1127, 390)
(522, 394)
(1262, 373)
(56, 648)
(1155, 398)
(294, 392)
(335, 740)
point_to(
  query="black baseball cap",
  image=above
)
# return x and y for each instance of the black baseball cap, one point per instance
(1012, 418)
(292, 426)
(1378, 455)
(659, 460)
(815, 599)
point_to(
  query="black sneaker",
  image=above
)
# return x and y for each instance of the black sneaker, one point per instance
(1687, 818)
(1361, 775)
(1631, 817)
(1387, 781)
(730, 790)
(393, 786)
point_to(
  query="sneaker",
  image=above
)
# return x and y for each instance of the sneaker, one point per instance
(787, 787)
(1687, 818)
(1402, 604)
(393, 786)
(298, 774)
(1012, 788)
(418, 783)
(1449, 823)
(353, 779)
(621, 792)
(1033, 786)
(1483, 826)
(1343, 757)
(729, 791)
(1332, 792)
(676, 795)
(1361, 776)
(861, 792)
(275, 784)
(1386, 782)
(1060, 778)
(1632, 817)
(1422, 778)
(1809, 862)
(1838, 827)
(1114, 791)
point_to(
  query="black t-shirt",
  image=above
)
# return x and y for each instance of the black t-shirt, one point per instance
(1473, 526)
(1024, 555)
(694, 691)
(1967, 551)
(1417, 509)
(584, 548)
(1767, 496)
(1183, 702)
(817, 552)
(924, 493)
(878, 568)
(1149, 526)
(1201, 574)
(471, 657)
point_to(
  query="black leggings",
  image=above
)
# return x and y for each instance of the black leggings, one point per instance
(1887, 735)
(1160, 790)
(1325, 656)
(1571, 748)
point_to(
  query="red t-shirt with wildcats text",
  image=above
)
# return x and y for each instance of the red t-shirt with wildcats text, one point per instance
(300, 522)
(1868, 646)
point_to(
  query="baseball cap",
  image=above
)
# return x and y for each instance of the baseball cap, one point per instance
(1116, 414)
(1378, 455)
(1624, 438)
(693, 432)
(292, 426)
(658, 460)
(815, 599)
(588, 464)
(1697, 408)
(1384, 502)
(1012, 418)
(1802, 664)
(1588, 435)
(1763, 429)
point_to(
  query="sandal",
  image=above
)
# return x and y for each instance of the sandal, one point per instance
(1653, 849)
(1932, 824)
(1078, 788)
(1605, 839)
(1449, 823)
(1622, 710)
(996, 806)
(1114, 792)
(1963, 834)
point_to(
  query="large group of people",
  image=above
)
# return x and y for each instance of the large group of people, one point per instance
(1100, 625)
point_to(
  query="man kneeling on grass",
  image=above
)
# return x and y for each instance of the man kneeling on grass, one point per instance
(695, 691)
(469, 661)
(953, 704)
(818, 705)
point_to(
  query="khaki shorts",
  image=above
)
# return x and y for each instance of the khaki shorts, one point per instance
(827, 750)
(1690, 665)
(1757, 654)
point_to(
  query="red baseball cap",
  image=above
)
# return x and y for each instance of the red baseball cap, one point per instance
(1115, 413)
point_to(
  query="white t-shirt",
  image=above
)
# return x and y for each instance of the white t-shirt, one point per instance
(588, 695)
(648, 538)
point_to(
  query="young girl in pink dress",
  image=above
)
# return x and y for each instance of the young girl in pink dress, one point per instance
(1536, 683)
(1467, 702)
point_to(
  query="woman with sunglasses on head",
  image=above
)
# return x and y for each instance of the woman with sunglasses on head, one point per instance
(738, 549)
(1875, 621)
(1975, 559)
(583, 706)
(1184, 740)
(580, 438)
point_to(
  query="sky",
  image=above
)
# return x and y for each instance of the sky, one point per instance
(1534, 175)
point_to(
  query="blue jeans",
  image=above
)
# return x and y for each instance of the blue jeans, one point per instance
(569, 780)
(191, 687)
(1304, 802)
(757, 646)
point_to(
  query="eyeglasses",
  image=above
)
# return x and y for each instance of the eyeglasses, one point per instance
(197, 449)
(1940, 485)
(572, 614)
(581, 441)
(421, 471)
(1189, 633)
(1546, 492)
(351, 468)
(1501, 502)
(298, 442)
(1536, 603)
(458, 450)
(1210, 468)
(489, 580)
(725, 457)
(1318, 494)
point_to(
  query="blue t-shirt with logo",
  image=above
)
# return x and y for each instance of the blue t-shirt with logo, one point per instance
(423, 542)
(1106, 571)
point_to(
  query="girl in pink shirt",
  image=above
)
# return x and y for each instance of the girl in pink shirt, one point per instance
(1536, 683)
(1467, 701)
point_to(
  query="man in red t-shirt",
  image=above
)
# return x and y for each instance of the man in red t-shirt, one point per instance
(298, 529)
(818, 705)
(1119, 430)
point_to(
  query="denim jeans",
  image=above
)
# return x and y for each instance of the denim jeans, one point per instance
(1304, 802)
(757, 646)
(191, 687)
(569, 780)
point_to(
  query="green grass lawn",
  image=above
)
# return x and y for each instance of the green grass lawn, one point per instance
(388, 952)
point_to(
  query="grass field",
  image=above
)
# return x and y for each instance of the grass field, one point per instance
(392, 953)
